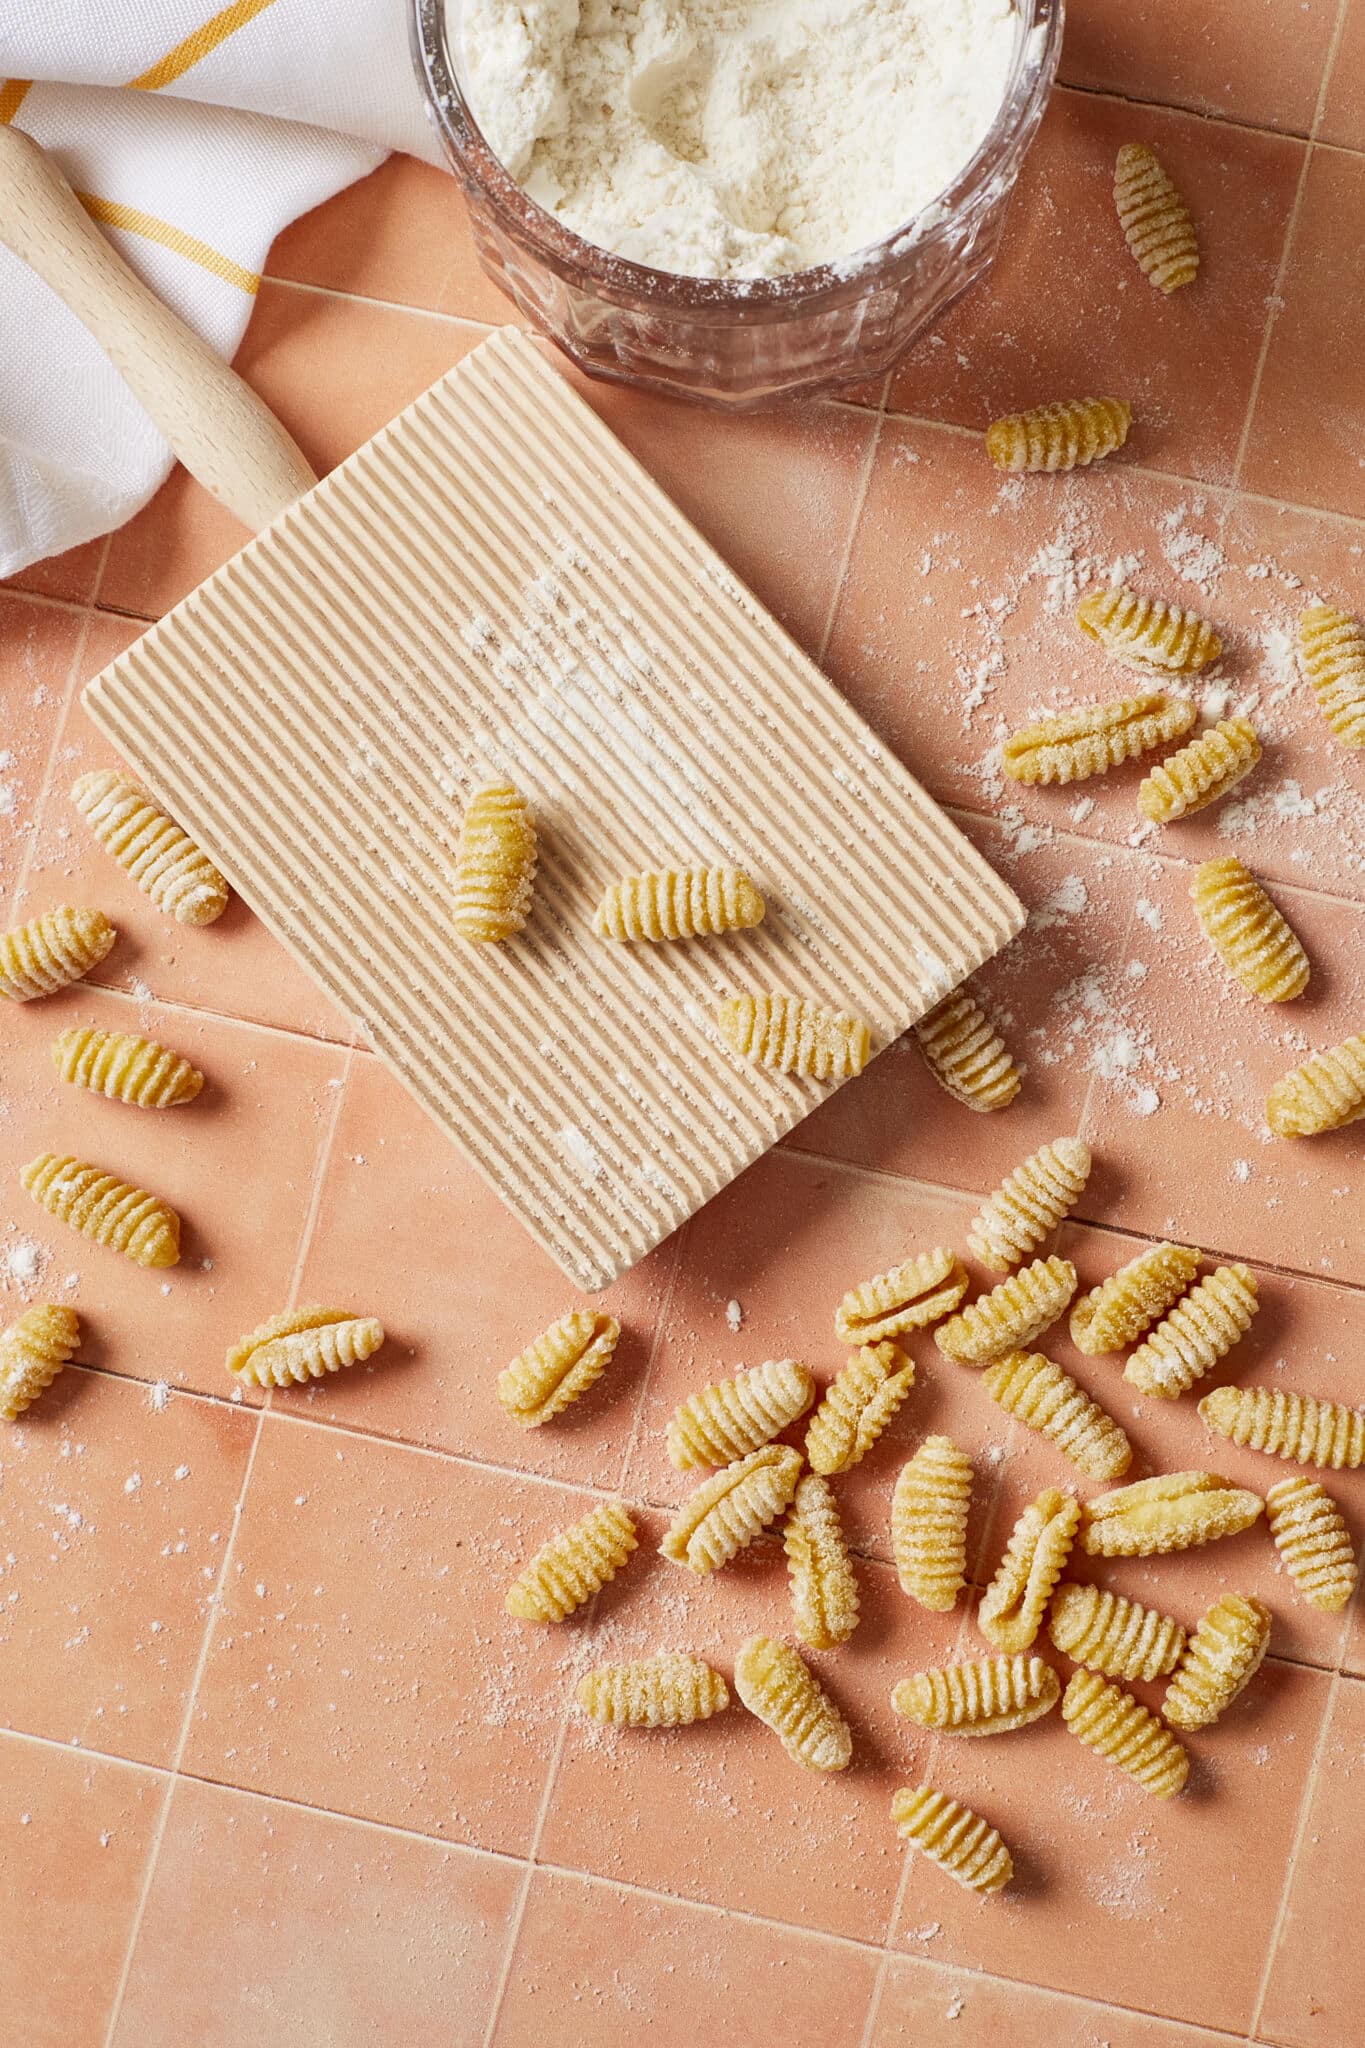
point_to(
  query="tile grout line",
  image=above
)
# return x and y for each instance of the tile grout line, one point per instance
(321, 1159)
(1276, 298)
(1292, 1865)
(860, 498)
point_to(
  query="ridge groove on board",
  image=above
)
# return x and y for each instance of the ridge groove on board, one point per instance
(493, 585)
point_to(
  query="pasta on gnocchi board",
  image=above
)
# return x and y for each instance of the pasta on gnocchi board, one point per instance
(493, 586)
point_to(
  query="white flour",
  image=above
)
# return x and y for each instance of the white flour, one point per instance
(736, 138)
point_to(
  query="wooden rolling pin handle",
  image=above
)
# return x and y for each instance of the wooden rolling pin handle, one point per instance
(224, 434)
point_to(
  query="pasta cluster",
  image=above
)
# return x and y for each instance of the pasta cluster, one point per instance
(793, 1035)
(1011, 1315)
(678, 903)
(1199, 1331)
(1029, 1204)
(1073, 745)
(929, 1523)
(1044, 1398)
(1068, 434)
(1147, 633)
(105, 1209)
(495, 866)
(164, 861)
(920, 1291)
(125, 1068)
(1202, 773)
(966, 1054)
(729, 1419)
(1247, 932)
(33, 1350)
(51, 951)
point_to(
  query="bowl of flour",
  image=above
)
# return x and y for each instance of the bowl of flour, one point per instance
(737, 199)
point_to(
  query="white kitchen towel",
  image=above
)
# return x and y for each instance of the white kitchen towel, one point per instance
(193, 137)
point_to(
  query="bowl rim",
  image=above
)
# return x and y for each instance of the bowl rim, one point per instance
(992, 167)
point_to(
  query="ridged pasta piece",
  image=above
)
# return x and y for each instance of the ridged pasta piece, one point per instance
(1249, 935)
(51, 951)
(929, 1511)
(1155, 220)
(304, 1344)
(776, 1684)
(920, 1291)
(1029, 1204)
(1313, 1540)
(1287, 1425)
(495, 865)
(1174, 1511)
(150, 847)
(669, 1690)
(793, 1035)
(573, 1565)
(1107, 1633)
(988, 1696)
(1039, 1394)
(1093, 738)
(966, 1054)
(1011, 1315)
(1325, 1094)
(103, 1208)
(1199, 1331)
(958, 1840)
(33, 1350)
(1115, 1314)
(125, 1067)
(1120, 1729)
(1332, 650)
(1221, 1657)
(824, 1592)
(678, 903)
(732, 1417)
(1202, 773)
(1013, 1605)
(1070, 433)
(1147, 633)
(857, 1406)
(731, 1507)
(562, 1363)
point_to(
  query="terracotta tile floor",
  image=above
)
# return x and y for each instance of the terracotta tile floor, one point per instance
(279, 1766)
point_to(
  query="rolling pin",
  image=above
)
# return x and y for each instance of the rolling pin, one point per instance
(227, 438)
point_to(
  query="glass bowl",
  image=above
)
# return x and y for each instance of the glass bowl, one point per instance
(738, 342)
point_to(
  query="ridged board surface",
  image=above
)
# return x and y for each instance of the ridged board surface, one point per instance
(493, 586)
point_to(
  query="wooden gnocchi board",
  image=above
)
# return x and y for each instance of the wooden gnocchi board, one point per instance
(493, 585)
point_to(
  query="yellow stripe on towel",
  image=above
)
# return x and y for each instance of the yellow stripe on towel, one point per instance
(200, 43)
(13, 93)
(112, 213)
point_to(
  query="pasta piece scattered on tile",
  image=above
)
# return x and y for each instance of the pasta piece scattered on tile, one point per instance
(561, 1364)
(1070, 433)
(777, 1685)
(1288, 1425)
(51, 951)
(125, 1068)
(495, 866)
(958, 1840)
(1013, 1605)
(988, 1696)
(1037, 1392)
(732, 1417)
(105, 1209)
(669, 1690)
(573, 1565)
(929, 1511)
(1073, 745)
(966, 1054)
(1108, 1633)
(1332, 650)
(857, 1406)
(1174, 1511)
(678, 903)
(1325, 1094)
(1155, 220)
(165, 863)
(920, 1291)
(824, 1592)
(1147, 633)
(1314, 1542)
(1252, 939)
(1117, 1312)
(33, 1350)
(1199, 1330)
(1029, 1204)
(793, 1035)
(1202, 773)
(1011, 1315)
(730, 1508)
(1120, 1729)
(1221, 1658)
(304, 1344)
